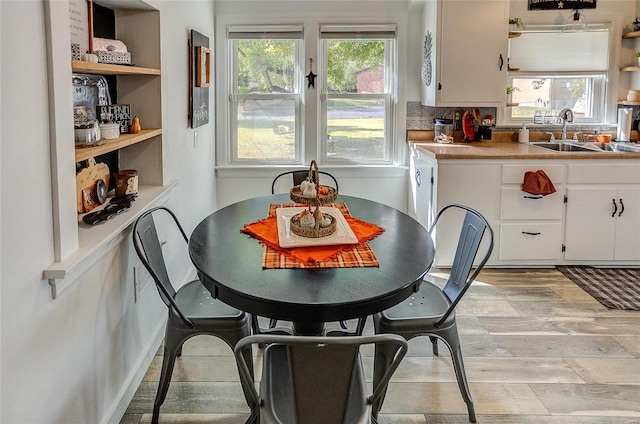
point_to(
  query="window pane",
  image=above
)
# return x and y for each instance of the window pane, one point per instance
(550, 95)
(266, 66)
(355, 129)
(355, 66)
(266, 129)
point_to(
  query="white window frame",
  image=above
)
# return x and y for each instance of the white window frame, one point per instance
(257, 32)
(387, 32)
(604, 92)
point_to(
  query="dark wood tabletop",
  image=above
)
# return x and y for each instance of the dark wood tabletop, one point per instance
(229, 264)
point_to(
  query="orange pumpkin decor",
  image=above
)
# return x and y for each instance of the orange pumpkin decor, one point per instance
(135, 125)
(324, 190)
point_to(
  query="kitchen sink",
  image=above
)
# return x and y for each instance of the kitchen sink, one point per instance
(614, 146)
(561, 146)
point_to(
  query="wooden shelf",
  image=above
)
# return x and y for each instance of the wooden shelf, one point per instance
(630, 68)
(85, 153)
(633, 34)
(514, 34)
(107, 69)
(512, 104)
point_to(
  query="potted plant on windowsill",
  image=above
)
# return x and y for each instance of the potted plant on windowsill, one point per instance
(510, 91)
(637, 54)
(516, 22)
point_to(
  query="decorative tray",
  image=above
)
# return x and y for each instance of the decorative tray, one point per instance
(90, 91)
(286, 238)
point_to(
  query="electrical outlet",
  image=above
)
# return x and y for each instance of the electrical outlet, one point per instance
(141, 280)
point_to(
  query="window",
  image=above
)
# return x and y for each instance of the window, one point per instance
(351, 102)
(265, 87)
(551, 69)
(357, 92)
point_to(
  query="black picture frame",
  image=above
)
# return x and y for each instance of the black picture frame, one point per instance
(561, 4)
(199, 93)
(115, 113)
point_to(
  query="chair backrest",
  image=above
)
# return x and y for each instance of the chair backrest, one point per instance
(322, 375)
(149, 249)
(300, 175)
(472, 232)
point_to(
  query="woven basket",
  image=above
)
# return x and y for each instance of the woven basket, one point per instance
(319, 199)
(315, 232)
(328, 197)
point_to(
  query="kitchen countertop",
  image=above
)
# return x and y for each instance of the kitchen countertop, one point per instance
(502, 149)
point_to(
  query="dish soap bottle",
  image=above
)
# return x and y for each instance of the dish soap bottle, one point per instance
(523, 135)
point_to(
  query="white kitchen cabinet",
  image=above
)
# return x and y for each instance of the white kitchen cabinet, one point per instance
(531, 225)
(603, 213)
(465, 46)
(421, 171)
(603, 223)
(471, 183)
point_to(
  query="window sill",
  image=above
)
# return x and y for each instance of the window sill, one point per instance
(95, 242)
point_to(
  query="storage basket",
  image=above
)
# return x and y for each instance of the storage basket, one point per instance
(114, 58)
(110, 131)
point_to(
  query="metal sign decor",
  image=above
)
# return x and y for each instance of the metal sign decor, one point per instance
(561, 4)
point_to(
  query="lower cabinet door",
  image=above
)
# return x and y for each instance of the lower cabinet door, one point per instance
(531, 241)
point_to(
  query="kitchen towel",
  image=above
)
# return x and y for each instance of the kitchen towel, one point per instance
(537, 183)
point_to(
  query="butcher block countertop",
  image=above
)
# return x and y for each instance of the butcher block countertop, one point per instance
(500, 147)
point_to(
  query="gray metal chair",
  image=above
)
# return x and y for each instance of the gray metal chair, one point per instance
(192, 310)
(316, 380)
(299, 176)
(431, 311)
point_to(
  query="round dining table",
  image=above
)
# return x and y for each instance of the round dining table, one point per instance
(229, 263)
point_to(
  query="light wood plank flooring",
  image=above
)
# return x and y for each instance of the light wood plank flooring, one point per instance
(537, 349)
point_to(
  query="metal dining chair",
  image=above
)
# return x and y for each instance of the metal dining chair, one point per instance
(431, 311)
(316, 380)
(192, 310)
(298, 176)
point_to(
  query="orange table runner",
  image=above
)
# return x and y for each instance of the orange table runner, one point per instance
(339, 256)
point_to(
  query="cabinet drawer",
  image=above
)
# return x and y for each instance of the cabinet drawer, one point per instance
(531, 241)
(517, 204)
(514, 174)
(620, 173)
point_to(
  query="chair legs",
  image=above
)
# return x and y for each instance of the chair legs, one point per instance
(449, 336)
(174, 339)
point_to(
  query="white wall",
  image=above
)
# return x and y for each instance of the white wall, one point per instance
(386, 184)
(76, 359)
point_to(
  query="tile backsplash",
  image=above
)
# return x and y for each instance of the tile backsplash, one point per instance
(421, 117)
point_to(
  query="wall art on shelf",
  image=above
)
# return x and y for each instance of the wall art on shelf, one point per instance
(561, 4)
(120, 114)
(199, 79)
(80, 26)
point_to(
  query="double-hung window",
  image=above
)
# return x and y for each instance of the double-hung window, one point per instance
(551, 68)
(264, 94)
(358, 92)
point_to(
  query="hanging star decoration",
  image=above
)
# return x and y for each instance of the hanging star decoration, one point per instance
(311, 77)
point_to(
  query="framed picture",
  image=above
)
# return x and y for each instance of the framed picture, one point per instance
(199, 79)
(81, 26)
(561, 4)
(204, 66)
(120, 114)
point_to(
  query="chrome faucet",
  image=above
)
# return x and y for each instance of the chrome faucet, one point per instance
(566, 115)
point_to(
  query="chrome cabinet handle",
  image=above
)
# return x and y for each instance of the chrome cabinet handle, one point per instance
(615, 208)
(621, 208)
(418, 178)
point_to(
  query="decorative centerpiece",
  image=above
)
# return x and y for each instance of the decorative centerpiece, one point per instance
(313, 223)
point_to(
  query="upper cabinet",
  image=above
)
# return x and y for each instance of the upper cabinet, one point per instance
(464, 52)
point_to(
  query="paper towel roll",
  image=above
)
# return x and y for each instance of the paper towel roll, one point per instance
(625, 117)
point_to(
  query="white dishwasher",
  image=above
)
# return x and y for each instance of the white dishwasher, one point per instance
(421, 169)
